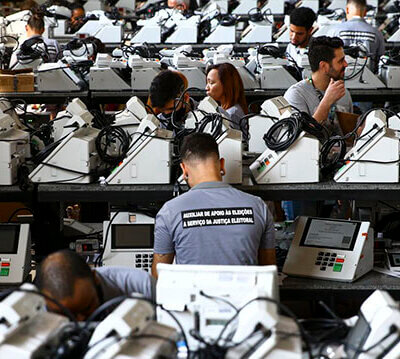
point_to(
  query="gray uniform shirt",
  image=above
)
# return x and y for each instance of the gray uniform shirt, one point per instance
(236, 114)
(304, 96)
(117, 281)
(357, 30)
(214, 223)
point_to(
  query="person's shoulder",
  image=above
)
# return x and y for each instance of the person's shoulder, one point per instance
(249, 197)
(235, 110)
(298, 87)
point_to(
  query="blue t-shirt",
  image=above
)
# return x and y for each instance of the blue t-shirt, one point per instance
(214, 223)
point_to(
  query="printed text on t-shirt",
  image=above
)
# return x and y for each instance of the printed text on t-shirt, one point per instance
(217, 217)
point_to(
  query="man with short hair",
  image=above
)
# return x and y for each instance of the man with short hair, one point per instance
(323, 93)
(213, 223)
(183, 5)
(65, 277)
(300, 30)
(356, 30)
(77, 16)
(165, 91)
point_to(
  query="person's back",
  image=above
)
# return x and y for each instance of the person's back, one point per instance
(215, 223)
(357, 31)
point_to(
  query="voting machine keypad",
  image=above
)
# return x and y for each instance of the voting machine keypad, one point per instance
(144, 261)
(330, 260)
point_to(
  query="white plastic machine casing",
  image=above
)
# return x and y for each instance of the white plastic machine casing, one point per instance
(75, 115)
(143, 71)
(104, 29)
(134, 255)
(381, 146)
(57, 77)
(130, 118)
(257, 32)
(104, 74)
(62, 167)
(185, 32)
(15, 266)
(131, 318)
(306, 261)
(179, 290)
(390, 75)
(229, 142)
(27, 329)
(365, 80)
(377, 315)
(244, 7)
(259, 125)
(149, 161)
(297, 164)
(192, 68)
(14, 148)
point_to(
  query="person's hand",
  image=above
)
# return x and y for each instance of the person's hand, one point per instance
(334, 92)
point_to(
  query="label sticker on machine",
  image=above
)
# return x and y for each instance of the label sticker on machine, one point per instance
(330, 234)
(217, 217)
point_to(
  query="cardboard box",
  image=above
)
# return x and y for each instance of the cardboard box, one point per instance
(17, 81)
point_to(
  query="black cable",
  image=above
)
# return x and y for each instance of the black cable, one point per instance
(112, 136)
(220, 299)
(100, 256)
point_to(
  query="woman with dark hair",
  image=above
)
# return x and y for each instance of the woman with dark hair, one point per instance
(34, 39)
(225, 86)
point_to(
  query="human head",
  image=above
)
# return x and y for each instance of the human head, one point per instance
(77, 14)
(225, 85)
(35, 24)
(301, 26)
(65, 277)
(179, 4)
(326, 56)
(200, 160)
(356, 8)
(165, 88)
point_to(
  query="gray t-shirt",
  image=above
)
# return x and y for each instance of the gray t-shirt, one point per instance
(214, 223)
(357, 30)
(305, 97)
(236, 114)
(117, 281)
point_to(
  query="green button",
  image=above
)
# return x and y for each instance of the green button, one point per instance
(337, 267)
(4, 272)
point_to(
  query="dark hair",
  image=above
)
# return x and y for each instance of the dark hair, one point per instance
(198, 146)
(58, 272)
(360, 4)
(303, 16)
(232, 85)
(36, 21)
(166, 86)
(76, 6)
(322, 48)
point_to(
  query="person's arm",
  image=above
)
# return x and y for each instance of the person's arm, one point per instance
(266, 252)
(164, 249)
(266, 256)
(333, 93)
(167, 258)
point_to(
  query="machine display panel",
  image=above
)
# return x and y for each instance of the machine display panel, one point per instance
(333, 234)
(125, 236)
(9, 235)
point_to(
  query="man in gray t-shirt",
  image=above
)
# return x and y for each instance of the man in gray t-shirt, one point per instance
(65, 277)
(213, 223)
(324, 93)
(356, 30)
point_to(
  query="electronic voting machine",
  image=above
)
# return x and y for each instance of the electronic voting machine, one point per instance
(15, 253)
(330, 249)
